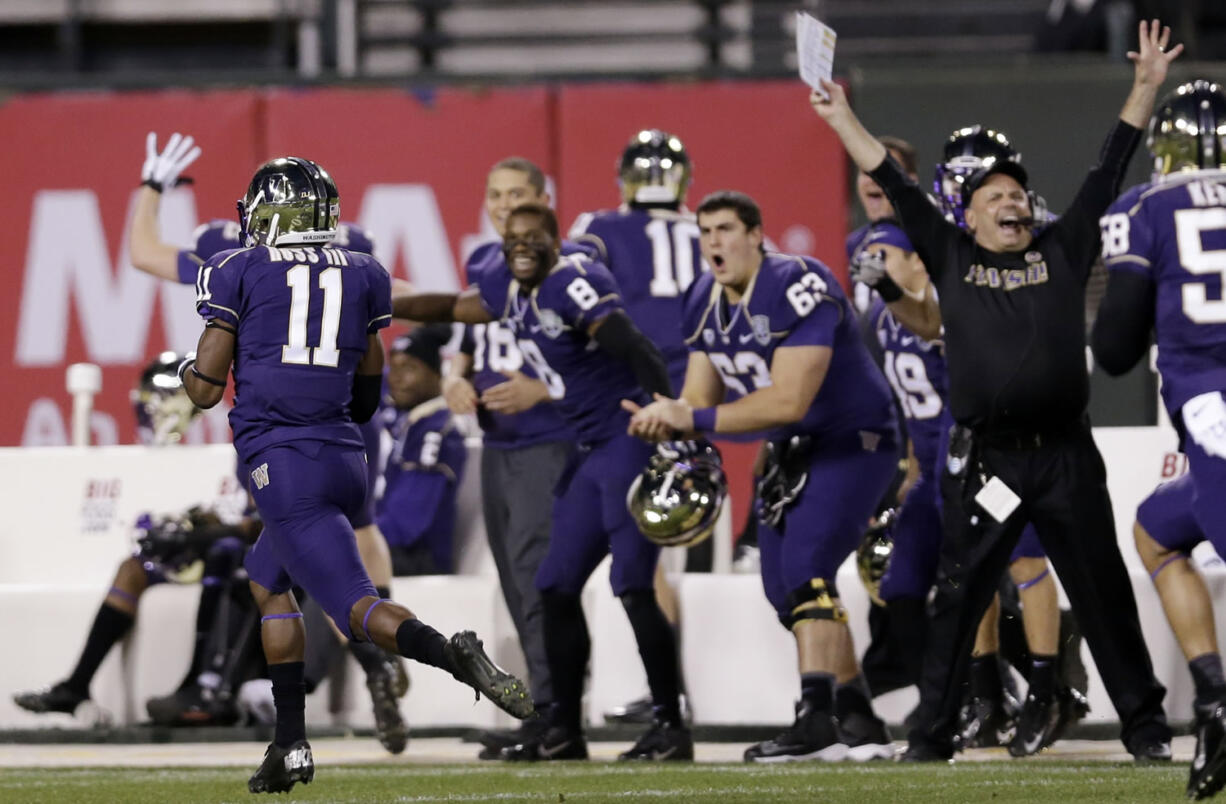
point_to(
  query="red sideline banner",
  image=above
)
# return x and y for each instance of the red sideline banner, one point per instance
(410, 167)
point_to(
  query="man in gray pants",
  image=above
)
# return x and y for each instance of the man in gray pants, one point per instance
(526, 443)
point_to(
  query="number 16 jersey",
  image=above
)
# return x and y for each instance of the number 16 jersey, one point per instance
(302, 316)
(792, 301)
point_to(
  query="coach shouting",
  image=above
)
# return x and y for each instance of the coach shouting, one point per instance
(1012, 299)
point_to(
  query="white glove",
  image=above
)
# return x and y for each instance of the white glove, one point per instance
(1204, 417)
(162, 169)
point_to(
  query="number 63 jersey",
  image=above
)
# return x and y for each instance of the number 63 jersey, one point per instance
(792, 301)
(1174, 233)
(302, 316)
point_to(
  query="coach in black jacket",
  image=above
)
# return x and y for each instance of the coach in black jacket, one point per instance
(1012, 301)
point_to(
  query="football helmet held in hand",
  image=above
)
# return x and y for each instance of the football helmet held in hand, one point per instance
(677, 499)
(163, 410)
(873, 554)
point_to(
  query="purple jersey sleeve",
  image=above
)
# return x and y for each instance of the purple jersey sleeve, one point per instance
(380, 309)
(1127, 235)
(208, 240)
(590, 292)
(218, 288)
(352, 237)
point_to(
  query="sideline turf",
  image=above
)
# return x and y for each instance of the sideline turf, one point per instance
(979, 782)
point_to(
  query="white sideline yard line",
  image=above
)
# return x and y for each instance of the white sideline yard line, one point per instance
(338, 751)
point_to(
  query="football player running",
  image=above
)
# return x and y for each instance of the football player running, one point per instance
(568, 318)
(1164, 244)
(778, 330)
(298, 321)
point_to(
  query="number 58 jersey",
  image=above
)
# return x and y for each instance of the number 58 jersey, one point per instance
(792, 301)
(302, 317)
(1174, 233)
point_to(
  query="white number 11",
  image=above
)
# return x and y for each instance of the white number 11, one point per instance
(296, 351)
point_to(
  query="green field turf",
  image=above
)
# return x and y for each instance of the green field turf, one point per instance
(979, 782)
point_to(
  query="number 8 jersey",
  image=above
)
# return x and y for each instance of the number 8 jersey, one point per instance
(1174, 233)
(792, 301)
(302, 316)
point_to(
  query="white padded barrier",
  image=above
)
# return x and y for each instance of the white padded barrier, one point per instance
(67, 526)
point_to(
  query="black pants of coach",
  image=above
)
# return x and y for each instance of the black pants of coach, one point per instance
(1062, 484)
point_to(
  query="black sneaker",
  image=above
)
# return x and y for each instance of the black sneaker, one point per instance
(986, 723)
(1152, 752)
(1209, 762)
(813, 735)
(663, 741)
(282, 767)
(865, 736)
(1036, 728)
(555, 743)
(636, 711)
(473, 667)
(194, 705)
(529, 730)
(923, 752)
(390, 727)
(1073, 708)
(58, 698)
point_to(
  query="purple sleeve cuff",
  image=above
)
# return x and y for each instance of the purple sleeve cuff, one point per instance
(704, 420)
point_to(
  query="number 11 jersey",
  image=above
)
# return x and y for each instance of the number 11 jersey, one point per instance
(302, 316)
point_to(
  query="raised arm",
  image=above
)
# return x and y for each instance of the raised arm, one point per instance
(145, 247)
(1150, 61)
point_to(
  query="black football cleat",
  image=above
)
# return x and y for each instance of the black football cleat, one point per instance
(400, 674)
(923, 752)
(1152, 752)
(664, 741)
(1037, 726)
(530, 730)
(986, 723)
(812, 735)
(637, 711)
(1209, 762)
(556, 743)
(473, 667)
(58, 698)
(865, 736)
(193, 705)
(282, 768)
(390, 728)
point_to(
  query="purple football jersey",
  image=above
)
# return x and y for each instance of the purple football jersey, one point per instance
(550, 325)
(915, 369)
(302, 317)
(1174, 232)
(793, 301)
(494, 351)
(423, 473)
(209, 239)
(654, 256)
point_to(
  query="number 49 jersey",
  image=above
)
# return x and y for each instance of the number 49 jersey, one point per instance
(302, 316)
(654, 256)
(1174, 233)
(792, 301)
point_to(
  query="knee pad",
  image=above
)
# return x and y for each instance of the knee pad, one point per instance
(818, 599)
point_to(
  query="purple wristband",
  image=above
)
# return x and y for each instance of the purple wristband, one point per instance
(704, 420)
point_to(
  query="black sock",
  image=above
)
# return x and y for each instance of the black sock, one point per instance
(1042, 675)
(567, 647)
(852, 697)
(421, 643)
(369, 655)
(109, 627)
(384, 592)
(817, 690)
(210, 594)
(1207, 676)
(985, 677)
(658, 650)
(289, 696)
